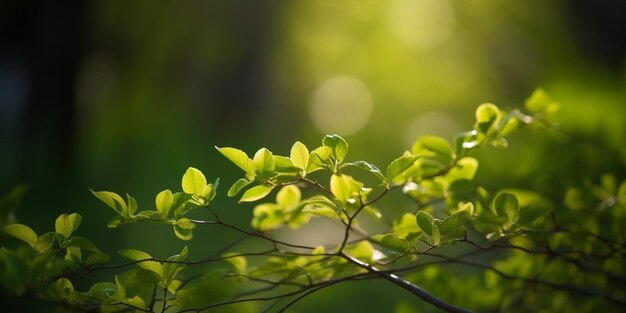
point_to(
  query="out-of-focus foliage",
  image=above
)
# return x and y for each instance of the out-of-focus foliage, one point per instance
(455, 244)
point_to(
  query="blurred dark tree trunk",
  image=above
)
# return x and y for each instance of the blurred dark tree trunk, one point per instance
(48, 38)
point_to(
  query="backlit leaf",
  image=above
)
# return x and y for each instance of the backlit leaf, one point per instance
(264, 163)
(137, 255)
(299, 155)
(164, 201)
(399, 166)
(22, 232)
(338, 145)
(193, 181)
(67, 224)
(237, 186)
(113, 200)
(239, 158)
(255, 193)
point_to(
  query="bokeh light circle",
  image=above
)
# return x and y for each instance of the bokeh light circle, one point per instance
(341, 105)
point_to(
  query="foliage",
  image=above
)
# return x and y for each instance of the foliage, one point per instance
(456, 245)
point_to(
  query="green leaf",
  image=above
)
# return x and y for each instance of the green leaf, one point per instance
(487, 116)
(267, 216)
(170, 270)
(83, 243)
(538, 102)
(464, 169)
(239, 158)
(506, 205)
(318, 159)
(395, 243)
(115, 221)
(237, 186)
(399, 166)
(97, 257)
(338, 145)
(193, 181)
(113, 200)
(284, 165)
(132, 204)
(120, 295)
(136, 301)
(363, 251)
(453, 222)
(264, 163)
(434, 144)
(44, 242)
(10, 202)
(288, 196)
(137, 255)
(238, 262)
(344, 187)
(368, 167)
(164, 201)
(67, 224)
(255, 193)
(425, 222)
(406, 225)
(299, 155)
(73, 256)
(183, 228)
(22, 232)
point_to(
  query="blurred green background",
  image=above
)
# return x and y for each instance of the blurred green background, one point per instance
(125, 95)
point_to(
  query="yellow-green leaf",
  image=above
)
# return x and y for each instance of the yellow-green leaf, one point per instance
(193, 181)
(255, 193)
(239, 158)
(137, 255)
(113, 200)
(164, 201)
(299, 155)
(67, 224)
(22, 232)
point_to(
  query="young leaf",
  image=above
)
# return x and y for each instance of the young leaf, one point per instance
(22, 232)
(67, 224)
(368, 167)
(538, 102)
(284, 165)
(255, 193)
(343, 186)
(183, 228)
(237, 186)
(453, 222)
(318, 159)
(299, 155)
(395, 243)
(264, 163)
(171, 269)
(164, 201)
(240, 263)
(288, 196)
(433, 144)
(506, 204)
(193, 181)
(137, 255)
(487, 116)
(399, 165)
(240, 159)
(363, 251)
(425, 222)
(113, 200)
(338, 145)
(406, 225)
(44, 242)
